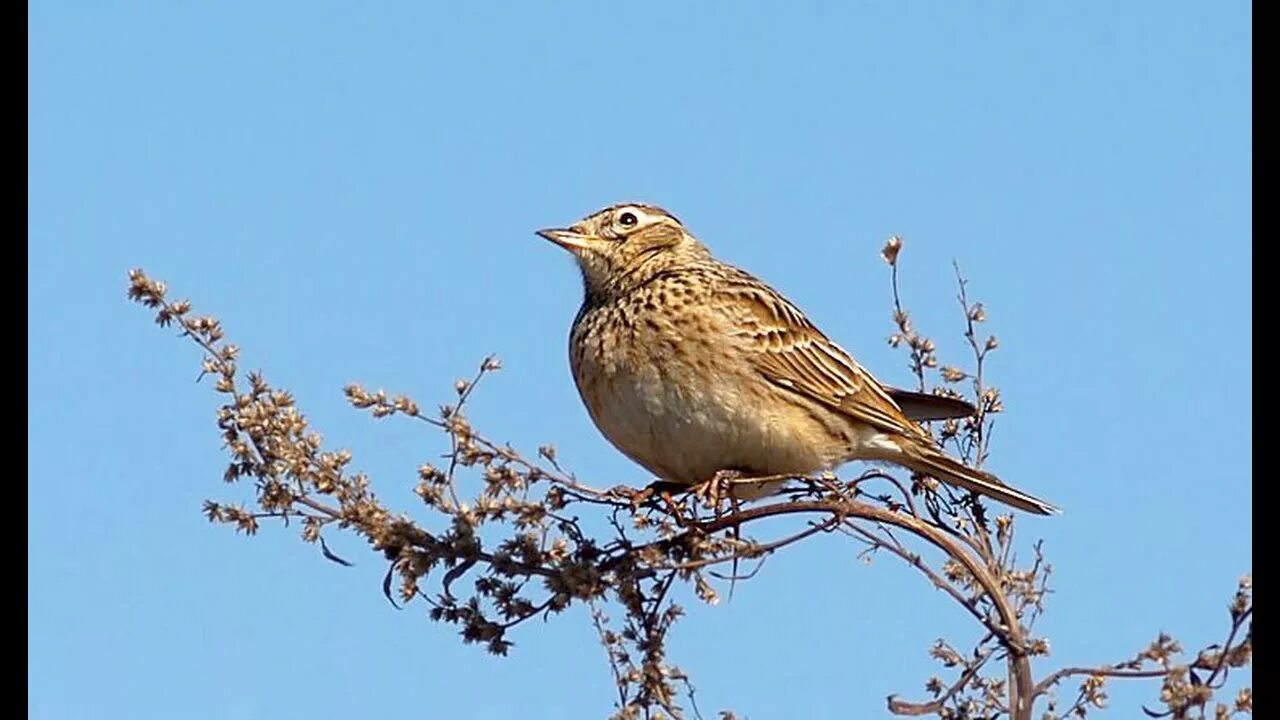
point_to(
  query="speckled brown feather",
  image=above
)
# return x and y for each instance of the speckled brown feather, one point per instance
(794, 354)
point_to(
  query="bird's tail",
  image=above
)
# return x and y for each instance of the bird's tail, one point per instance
(931, 461)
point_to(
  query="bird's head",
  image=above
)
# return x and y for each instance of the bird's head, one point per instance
(624, 246)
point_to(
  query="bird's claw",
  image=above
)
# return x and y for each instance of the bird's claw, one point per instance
(636, 497)
(714, 491)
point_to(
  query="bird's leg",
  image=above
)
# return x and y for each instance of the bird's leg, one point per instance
(715, 490)
(718, 488)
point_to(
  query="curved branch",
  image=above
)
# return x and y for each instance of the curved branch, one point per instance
(1047, 684)
(1010, 631)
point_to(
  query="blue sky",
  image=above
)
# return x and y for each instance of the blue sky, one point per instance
(354, 192)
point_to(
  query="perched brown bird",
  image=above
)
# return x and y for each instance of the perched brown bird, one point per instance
(690, 367)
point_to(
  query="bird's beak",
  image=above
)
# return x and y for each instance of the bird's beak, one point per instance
(567, 238)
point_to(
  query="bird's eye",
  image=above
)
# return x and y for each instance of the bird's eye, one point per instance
(627, 219)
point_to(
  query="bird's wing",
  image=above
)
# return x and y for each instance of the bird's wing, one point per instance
(790, 352)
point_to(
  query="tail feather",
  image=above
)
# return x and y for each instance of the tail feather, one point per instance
(923, 407)
(934, 463)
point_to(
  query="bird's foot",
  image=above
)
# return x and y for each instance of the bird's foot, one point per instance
(656, 495)
(714, 491)
(630, 494)
(637, 498)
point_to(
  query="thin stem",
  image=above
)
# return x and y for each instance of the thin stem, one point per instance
(902, 707)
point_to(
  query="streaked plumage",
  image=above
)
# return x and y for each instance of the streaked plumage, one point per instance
(690, 366)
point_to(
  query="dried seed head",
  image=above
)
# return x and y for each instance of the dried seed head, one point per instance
(891, 249)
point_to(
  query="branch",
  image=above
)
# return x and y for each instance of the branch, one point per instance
(936, 706)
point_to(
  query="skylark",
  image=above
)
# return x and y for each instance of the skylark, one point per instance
(691, 367)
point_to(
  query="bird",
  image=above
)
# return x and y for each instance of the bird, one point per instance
(692, 367)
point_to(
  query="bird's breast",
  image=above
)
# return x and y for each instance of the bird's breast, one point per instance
(673, 391)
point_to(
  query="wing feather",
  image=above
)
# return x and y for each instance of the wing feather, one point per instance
(792, 353)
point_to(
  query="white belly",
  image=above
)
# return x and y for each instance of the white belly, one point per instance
(685, 433)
